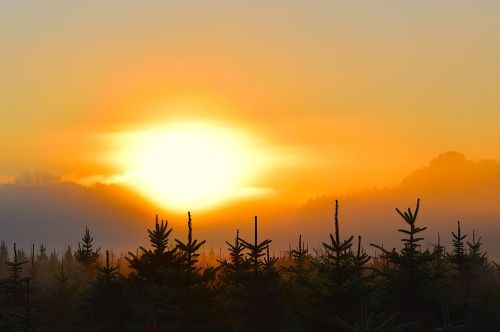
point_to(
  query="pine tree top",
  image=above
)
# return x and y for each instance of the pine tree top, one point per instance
(256, 249)
(86, 254)
(189, 250)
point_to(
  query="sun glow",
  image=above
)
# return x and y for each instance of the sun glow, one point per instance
(191, 165)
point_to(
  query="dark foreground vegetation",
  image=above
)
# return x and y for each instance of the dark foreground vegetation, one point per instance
(337, 287)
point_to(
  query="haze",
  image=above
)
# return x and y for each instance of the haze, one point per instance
(336, 96)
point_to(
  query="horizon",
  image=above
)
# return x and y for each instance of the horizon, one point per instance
(216, 226)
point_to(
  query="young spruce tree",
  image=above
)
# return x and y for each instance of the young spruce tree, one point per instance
(410, 285)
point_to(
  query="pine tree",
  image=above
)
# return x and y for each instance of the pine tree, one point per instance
(42, 264)
(189, 250)
(15, 268)
(107, 305)
(439, 263)
(19, 310)
(60, 301)
(86, 254)
(256, 249)
(439, 251)
(338, 286)
(477, 261)
(361, 259)
(458, 257)
(107, 273)
(149, 265)
(300, 269)
(191, 289)
(233, 274)
(156, 273)
(33, 265)
(21, 255)
(257, 282)
(475, 252)
(53, 261)
(62, 278)
(410, 286)
(298, 289)
(42, 253)
(4, 257)
(237, 262)
(301, 253)
(340, 254)
(13, 289)
(69, 260)
(269, 262)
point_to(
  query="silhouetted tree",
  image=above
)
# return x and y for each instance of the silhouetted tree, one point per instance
(338, 286)
(149, 265)
(299, 287)
(410, 285)
(169, 288)
(361, 259)
(233, 273)
(4, 257)
(236, 262)
(15, 268)
(339, 252)
(477, 261)
(261, 283)
(108, 306)
(60, 301)
(152, 269)
(188, 296)
(86, 255)
(300, 254)
(15, 304)
(189, 251)
(42, 253)
(256, 249)
(458, 257)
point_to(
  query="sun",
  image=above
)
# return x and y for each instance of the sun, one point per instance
(190, 165)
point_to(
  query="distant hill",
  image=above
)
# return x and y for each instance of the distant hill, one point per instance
(451, 188)
(56, 213)
(43, 209)
(453, 174)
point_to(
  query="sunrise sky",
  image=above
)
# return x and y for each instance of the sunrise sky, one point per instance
(288, 99)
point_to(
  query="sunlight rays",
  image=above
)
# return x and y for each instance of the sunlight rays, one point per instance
(191, 164)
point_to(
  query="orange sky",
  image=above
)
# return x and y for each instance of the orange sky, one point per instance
(344, 96)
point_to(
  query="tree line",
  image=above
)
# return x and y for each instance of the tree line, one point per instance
(335, 287)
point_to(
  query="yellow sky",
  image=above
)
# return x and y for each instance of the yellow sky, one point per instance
(350, 94)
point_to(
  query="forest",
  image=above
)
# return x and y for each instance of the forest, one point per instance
(171, 285)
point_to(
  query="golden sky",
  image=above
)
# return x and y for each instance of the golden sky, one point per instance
(334, 95)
